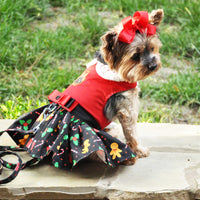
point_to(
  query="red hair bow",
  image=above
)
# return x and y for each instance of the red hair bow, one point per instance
(139, 22)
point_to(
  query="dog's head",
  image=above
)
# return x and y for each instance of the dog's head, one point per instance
(132, 47)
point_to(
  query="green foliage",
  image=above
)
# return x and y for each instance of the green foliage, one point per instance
(57, 3)
(39, 54)
(156, 114)
(36, 84)
(12, 109)
(182, 89)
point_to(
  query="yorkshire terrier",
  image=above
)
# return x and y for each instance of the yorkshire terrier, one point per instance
(106, 91)
(129, 61)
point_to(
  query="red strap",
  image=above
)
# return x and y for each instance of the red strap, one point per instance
(62, 99)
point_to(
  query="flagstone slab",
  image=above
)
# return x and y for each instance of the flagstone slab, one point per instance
(171, 172)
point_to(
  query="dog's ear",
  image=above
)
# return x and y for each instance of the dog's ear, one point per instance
(109, 41)
(156, 16)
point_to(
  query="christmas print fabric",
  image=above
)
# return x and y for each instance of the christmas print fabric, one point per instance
(51, 131)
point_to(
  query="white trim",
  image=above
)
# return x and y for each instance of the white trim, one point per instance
(104, 71)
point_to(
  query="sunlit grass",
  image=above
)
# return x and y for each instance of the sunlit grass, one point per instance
(35, 60)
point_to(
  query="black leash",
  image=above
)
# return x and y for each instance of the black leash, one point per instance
(10, 150)
(16, 167)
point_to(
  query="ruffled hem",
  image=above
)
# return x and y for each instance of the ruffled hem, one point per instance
(66, 138)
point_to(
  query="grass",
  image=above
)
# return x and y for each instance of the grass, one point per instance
(181, 89)
(37, 57)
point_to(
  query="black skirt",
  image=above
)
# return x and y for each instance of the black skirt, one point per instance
(51, 131)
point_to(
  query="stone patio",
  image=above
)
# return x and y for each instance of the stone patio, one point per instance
(171, 172)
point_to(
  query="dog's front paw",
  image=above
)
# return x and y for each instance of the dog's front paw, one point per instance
(142, 151)
(139, 149)
(130, 161)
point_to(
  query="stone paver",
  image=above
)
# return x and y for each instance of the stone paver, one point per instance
(171, 172)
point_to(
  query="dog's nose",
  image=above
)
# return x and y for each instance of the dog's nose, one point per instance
(153, 66)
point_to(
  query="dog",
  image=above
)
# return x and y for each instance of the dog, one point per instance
(129, 61)
(71, 127)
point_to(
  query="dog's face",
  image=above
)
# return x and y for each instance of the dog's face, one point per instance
(136, 60)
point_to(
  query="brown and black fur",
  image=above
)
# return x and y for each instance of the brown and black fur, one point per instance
(133, 62)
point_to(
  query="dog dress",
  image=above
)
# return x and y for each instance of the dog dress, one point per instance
(70, 128)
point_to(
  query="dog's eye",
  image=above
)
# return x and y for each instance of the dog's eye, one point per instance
(136, 57)
(152, 48)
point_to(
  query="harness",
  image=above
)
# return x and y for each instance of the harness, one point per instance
(89, 91)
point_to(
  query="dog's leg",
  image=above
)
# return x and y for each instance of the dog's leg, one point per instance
(128, 123)
(127, 116)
